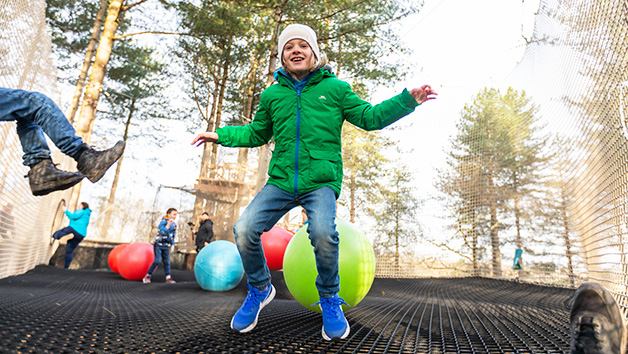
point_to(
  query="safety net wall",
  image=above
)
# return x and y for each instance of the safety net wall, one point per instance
(586, 90)
(577, 71)
(25, 221)
(535, 186)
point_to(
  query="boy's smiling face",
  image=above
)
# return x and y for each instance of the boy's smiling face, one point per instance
(298, 57)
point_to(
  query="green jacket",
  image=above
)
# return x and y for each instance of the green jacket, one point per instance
(306, 124)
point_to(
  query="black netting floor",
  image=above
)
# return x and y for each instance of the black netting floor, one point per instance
(52, 310)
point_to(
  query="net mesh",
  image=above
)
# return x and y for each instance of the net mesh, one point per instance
(576, 68)
(573, 219)
(25, 221)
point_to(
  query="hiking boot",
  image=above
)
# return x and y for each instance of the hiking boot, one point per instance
(93, 163)
(45, 177)
(146, 280)
(169, 280)
(597, 323)
(246, 318)
(335, 324)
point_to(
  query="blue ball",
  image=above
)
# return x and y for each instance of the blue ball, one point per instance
(218, 266)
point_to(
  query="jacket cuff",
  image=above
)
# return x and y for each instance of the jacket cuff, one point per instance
(222, 138)
(408, 100)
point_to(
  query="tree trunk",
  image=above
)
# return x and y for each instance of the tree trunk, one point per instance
(474, 245)
(89, 55)
(264, 151)
(99, 69)
(243, 153)
(92, 92)
(568, 253)
(112, 194)
(494, 232)
(519, 239)
(221, 96)
(339, 62)
(200, 203)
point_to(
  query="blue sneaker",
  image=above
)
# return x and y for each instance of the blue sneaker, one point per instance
(335, 324)
(246, 318)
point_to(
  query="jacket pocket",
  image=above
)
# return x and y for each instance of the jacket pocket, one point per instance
(277, 169)
(325, 166)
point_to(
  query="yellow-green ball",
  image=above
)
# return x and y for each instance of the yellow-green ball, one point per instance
(356, 266)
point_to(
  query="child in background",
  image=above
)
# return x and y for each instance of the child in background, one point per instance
(304, 112)
(79, 219)
(163, 241)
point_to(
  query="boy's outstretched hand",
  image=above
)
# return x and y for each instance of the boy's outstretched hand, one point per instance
(424, 93)
(207, 137)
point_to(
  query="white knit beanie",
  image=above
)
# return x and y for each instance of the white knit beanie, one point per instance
(299, 31)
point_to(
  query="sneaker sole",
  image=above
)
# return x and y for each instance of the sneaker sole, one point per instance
(95, 178)
(266, 301)
(48, 188)
(343, 336)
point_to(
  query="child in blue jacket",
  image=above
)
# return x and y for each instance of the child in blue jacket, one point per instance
(79, 219)
(163, 241)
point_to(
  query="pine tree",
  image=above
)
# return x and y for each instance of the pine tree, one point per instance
(493, 166)
(395, 215)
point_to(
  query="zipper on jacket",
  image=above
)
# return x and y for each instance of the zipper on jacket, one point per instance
(296, 155)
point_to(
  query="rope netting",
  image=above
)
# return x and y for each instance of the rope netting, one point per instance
(576, 69)
(538, 165)
(25, 221)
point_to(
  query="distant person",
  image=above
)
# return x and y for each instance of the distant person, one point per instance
(303, 217)
(597, 323)
(205, 232)
(7, 222)
(36, 114)
(304, 113)
(79, 220)
(163, 241)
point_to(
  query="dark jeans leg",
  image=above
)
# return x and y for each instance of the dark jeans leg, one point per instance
(36, 114)
(320, 206)
(165, 255)
(268, 206)
(156, 261)
(71, 245)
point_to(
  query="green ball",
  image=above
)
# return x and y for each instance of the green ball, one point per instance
(356, 265)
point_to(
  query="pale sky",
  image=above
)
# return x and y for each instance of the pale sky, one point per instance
(459, 47)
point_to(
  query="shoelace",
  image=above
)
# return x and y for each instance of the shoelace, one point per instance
(587, 336)
(332, 305)
(252, 299)
(52, 163)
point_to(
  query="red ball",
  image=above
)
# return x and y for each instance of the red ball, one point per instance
(134, 260)
(114, 256)
(274, 242)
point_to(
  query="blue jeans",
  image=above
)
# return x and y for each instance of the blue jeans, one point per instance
(36, 114)
(161, 252)
(71, 245)
(268, 206)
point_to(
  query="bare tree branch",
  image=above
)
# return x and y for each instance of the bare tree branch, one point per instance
(446, 247)
(155, 32)
(127, 7)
